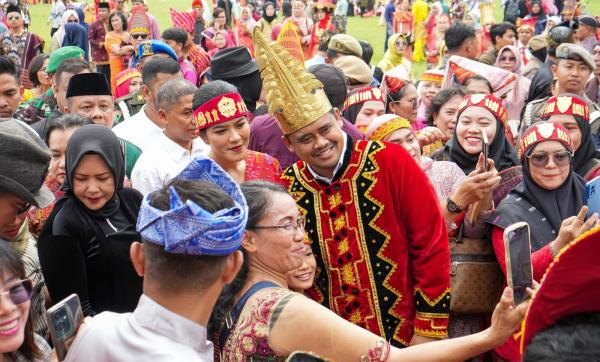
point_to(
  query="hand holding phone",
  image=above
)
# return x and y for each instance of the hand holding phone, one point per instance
(517, 253)
(64, 319)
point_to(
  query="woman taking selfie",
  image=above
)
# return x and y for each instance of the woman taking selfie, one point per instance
(84, 247)
(222, 121)
(549, 199)
(274, 322)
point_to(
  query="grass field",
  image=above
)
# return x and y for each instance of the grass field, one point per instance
(361, 28)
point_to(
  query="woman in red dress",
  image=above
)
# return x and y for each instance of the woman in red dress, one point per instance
(323, 9)
(222, 121)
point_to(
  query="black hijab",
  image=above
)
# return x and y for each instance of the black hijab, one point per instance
(500, 150)
(269, 19)
(587, 149)
(556, 205)
(99, 140)
(352, 112)
(541, 84)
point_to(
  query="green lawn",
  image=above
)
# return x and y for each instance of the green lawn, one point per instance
(361, 28)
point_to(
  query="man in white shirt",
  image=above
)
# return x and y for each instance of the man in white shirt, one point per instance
(177, 145)
(184, 270)
(141, 128)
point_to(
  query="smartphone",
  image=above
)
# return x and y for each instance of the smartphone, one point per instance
(485, 149)
(64, 319)
(517, 252)
(591, 196)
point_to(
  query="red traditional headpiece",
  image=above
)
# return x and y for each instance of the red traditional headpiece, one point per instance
(220, 109)
(324, 4)
(568, 105)
(544, 131)
(570, 286)
(392, 84)
(184, 19)
(526, 23)
(486, 101)
(434, 76)
(363, 95)
(197, 4)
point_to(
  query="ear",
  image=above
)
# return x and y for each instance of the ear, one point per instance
(146, 93)
(233, 266)
(162, 115)
(554, 69)
(21, 91)
(66, 110)
(338, 116)
(139, 67)
(249, 242)
(287, 143)
(203, 137)
(136, 252)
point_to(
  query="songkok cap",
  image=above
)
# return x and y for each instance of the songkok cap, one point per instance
(334, 82)
(25, 160)
(355, 69)
(13, 9)
(345, 44)
(186, 228)
(103, 5)
(570, 105)
(88, 84)
(588, 20)
(295, 97)
(152, 47)
(231, 63)
(544, 131)
(570, 286)
(537, 42)
(575, 52)
(382, 126)
(61, 54)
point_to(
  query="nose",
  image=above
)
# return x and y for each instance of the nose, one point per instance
(3, 102)
(235, 136)
(61, 163)
(6, 304)
(551, 163)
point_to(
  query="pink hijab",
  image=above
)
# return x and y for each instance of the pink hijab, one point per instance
(518, 67)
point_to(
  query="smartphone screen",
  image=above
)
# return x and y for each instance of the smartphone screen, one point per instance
(518, 261)
(485, 150)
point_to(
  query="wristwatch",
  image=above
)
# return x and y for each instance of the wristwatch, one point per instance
(452, 206)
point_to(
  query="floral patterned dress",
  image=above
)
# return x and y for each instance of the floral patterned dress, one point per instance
(249, 339)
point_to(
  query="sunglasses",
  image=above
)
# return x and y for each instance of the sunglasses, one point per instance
(72, 21)
(542, 159)
(139, 36)
(20, 292)
(13, 18)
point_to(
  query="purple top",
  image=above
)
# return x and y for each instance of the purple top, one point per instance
(188, 70)
(265, 137)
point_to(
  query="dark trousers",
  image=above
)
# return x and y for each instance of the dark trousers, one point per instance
(104, 69)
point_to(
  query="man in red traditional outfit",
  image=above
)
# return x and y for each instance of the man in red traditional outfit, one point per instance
(371, 213)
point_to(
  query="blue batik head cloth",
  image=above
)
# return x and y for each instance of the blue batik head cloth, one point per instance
(186, 228)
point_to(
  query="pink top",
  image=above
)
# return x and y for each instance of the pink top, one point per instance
(188, 70)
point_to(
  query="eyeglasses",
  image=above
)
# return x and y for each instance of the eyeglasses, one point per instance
(414, 102)
(23, 209)
(13, 18)
(20, 292)
(299, 224)
(72, 21)
(508, 59)
(139, 36)
(559, 158)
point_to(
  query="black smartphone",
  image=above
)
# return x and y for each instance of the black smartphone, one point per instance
(485, 150)
(64, 319)
(517, 252)
(304, 357)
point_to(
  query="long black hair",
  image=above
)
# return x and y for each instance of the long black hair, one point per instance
(258, 197)
(10, 263)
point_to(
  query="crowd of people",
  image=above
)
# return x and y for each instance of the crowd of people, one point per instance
(248, 186)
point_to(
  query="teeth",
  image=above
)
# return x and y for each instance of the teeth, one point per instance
(9, 326)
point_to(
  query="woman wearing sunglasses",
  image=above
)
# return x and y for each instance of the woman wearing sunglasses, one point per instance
(18, 342)
(572, 112)
(549, 199)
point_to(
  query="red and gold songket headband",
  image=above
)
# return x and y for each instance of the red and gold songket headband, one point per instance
(220, 109)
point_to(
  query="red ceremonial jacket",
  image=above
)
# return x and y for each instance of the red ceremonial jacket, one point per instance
(380, 242)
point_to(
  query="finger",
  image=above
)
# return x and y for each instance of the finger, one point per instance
(589, 223)
(582, 213)
(507, 298)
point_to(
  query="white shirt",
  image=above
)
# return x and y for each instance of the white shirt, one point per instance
(138, 129)
(163, 162)
(335, 170)
(317, 59)
(150, 333)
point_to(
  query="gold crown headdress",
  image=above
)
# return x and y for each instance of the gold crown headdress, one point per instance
(295, 97)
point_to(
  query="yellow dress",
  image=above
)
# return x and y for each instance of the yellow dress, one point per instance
(419, 11)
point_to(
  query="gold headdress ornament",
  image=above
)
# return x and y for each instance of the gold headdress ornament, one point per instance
(295, 97)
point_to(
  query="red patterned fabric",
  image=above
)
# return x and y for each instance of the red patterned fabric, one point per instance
(184, 19)
(260, 166)
(199, 59)
(380, 242)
